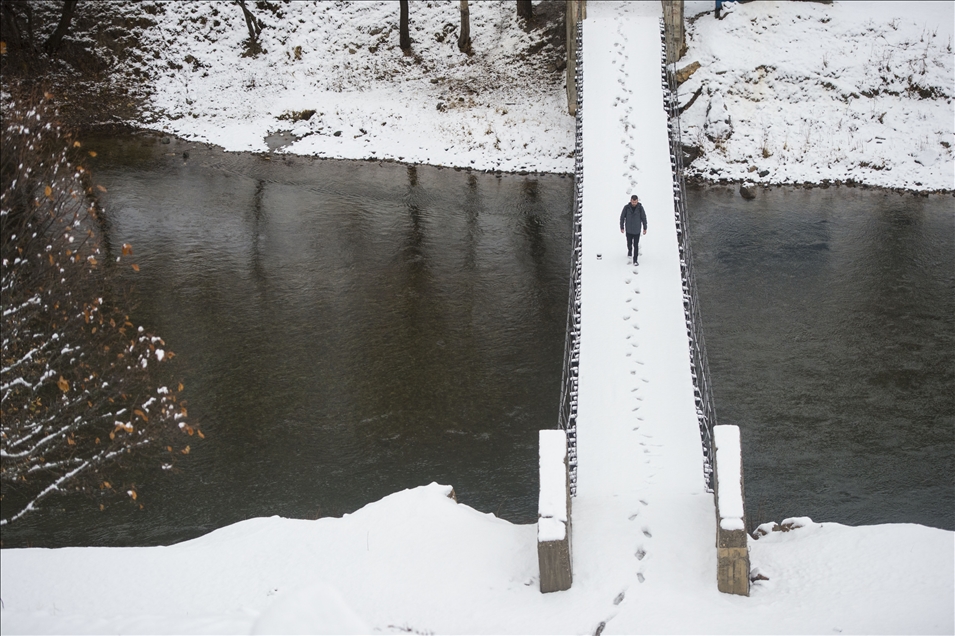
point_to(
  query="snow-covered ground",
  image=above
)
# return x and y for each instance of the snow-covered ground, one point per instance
(416, 562)
(502, 108)
(851, 91)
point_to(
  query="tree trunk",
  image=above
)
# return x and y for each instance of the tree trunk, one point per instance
(56, 38)
(525, 9)
(464, 38)
(404, 40)
(250, 22)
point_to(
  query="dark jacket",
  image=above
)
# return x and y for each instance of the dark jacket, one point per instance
(632, 218)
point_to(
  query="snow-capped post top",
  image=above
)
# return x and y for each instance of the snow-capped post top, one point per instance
(553, 524)
(729, 477)
(552, 506)
(732, 551)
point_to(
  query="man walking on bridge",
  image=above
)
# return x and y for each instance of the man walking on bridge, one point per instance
(632, 217)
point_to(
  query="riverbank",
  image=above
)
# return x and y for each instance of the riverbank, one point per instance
(807, 93)
(417, 562)
(332, 82)
(793, 93)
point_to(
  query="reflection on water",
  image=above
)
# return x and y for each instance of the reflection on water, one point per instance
(830, 328)
(345, 330)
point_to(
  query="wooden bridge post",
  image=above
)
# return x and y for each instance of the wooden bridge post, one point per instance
(732, 551)
(675, 35)
(576, 11)
(553, 523)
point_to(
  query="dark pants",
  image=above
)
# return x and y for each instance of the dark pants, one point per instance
(633, 243)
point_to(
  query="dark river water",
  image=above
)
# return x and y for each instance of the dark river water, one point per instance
(829, 317)
(345, 330)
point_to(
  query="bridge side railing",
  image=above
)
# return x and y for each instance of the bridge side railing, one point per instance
(567, 418)
(702, 389)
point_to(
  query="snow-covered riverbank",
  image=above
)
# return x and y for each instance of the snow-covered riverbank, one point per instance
(417, 562)
(801, 92)
(333, 77)
(851, 92)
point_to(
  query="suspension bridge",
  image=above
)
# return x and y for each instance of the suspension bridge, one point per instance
(636, 406)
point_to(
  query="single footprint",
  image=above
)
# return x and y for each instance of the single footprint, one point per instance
(646, 532)
(639, 578)
(600, 628)
(644, 502)
(619, 599)
(640, 553)
(633, 516)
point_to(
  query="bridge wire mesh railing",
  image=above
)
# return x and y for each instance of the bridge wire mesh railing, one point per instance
(567, 418)
(702, 389)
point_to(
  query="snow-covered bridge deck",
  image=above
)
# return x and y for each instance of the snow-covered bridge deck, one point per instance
(643, 521)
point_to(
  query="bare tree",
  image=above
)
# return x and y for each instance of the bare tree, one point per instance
(464, 38)
(62, 28)
(254, 25)
(525, 9)
(80, 385)
(404, 35)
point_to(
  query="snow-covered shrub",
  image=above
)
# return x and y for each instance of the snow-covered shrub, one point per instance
(79, 383)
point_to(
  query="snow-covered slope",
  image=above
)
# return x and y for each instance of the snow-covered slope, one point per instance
(801, 92)
(851, 91)
(416, 562)
(502, 108)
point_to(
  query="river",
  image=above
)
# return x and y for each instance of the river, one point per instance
(348, 329)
